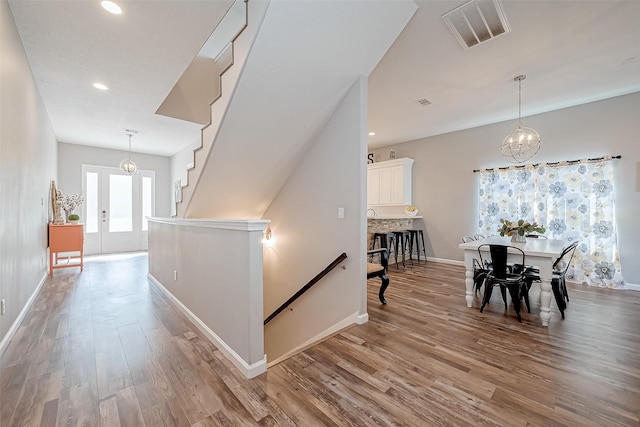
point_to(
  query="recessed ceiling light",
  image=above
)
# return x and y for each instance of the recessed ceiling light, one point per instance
(110, 6)
(372, 133)
(100, 86)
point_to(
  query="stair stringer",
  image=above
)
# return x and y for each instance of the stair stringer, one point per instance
(240, 48)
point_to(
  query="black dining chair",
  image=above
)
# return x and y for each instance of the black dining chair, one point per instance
(501, 275)
(537, 236)
(479, 270)
(558, 282)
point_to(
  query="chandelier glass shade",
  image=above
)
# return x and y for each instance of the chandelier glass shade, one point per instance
(523, 143)
(128, 166)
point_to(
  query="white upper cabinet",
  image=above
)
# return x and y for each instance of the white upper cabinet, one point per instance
(389, 182)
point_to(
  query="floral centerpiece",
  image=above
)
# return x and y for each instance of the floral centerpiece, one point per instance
(411, 210)
(70, 202)
(518, 230)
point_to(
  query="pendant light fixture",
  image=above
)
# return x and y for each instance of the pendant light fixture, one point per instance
(127, 165)
(523, 143)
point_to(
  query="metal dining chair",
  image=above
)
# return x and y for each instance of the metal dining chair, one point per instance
(558, 283)
(537, 236)
(501, 275)
(479, 270)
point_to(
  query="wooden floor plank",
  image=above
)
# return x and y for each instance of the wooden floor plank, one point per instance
(105, 347)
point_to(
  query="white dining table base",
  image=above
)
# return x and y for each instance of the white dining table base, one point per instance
(540, 252)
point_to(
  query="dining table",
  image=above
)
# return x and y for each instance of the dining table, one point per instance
(538, 251)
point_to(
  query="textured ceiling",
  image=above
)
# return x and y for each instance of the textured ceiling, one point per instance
(572, 52)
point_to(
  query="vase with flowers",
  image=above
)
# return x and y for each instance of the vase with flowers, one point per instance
(69, 203)
(518, 230)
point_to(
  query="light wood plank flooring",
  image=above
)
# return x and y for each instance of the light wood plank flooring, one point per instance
(104, 347)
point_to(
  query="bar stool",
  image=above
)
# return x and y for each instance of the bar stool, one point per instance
(402, 239)
(418, 235)
(388, 241)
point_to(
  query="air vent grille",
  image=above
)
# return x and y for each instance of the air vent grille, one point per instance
(423, 102)
(477, 21)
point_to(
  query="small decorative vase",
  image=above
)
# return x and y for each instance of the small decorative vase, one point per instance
(411, 213)
(517, 238)
(74, 221)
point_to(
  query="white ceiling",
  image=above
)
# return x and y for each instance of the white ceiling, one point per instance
(572, 52)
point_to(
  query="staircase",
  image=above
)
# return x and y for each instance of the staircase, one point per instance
(230, 43)
(287, 142)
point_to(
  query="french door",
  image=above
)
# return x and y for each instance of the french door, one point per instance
(116, 209)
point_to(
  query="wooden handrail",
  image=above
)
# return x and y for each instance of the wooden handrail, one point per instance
(306, 287)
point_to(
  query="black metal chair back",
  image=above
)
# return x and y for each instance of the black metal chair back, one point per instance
(561, 265)
(498, 260)
(501, 274)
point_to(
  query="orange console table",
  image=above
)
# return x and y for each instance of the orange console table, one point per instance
(65, 238)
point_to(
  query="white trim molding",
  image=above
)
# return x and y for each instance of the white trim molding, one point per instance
(355, 318)
(16, 324)
(222, 224)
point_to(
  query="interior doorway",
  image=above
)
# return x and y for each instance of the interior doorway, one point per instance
(116, 209)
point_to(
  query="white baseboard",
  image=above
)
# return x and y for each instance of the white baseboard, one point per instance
(249, 370)
(362, 318)
(16, 324)
(344, 323)
(446, 261)
(632, 286)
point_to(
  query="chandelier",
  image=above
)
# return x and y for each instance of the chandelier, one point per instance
(523, 143)
(127, 165)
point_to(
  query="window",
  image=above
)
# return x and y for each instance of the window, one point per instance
(573, 201)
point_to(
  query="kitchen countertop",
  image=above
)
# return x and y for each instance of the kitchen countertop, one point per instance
(381, 217)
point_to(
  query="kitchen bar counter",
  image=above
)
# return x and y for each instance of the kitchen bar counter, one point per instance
(388, 223)
(384, 217)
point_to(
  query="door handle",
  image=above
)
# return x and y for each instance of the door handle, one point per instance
(104, 216)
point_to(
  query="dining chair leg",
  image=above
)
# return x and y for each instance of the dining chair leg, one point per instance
(524, 291)
(488, 290)
(503, 291)
(383, 287)
(565, 294)
(515, 299)
(557, 293)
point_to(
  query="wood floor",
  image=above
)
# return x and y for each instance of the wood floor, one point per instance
(104, 347)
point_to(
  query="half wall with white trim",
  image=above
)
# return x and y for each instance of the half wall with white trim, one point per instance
(212, 269)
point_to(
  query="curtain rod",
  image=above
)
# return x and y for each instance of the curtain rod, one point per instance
(570, 162)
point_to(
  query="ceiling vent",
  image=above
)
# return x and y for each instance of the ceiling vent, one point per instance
(477, 21)
(424, 102)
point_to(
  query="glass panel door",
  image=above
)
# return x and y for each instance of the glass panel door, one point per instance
(119, 232)
(116, 208)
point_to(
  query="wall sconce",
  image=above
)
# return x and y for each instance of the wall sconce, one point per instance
(267, 237)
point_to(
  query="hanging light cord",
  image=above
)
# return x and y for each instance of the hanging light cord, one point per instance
(520, 79)
(519, 103)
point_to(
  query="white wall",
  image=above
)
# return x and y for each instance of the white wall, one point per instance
(213, 271)
(72, 156)
(308, 234)
(27, 166)
(444, 186)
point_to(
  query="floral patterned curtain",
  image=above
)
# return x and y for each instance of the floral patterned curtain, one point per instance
(572, 201)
